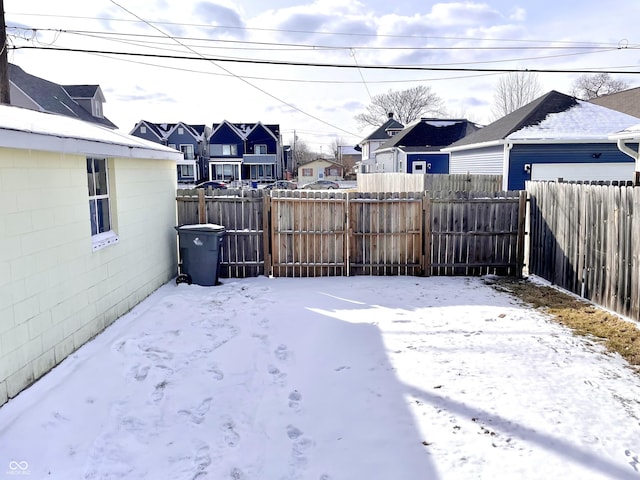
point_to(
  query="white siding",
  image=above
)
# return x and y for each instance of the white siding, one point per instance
(55, 292)
(384, 162)
(487, 161)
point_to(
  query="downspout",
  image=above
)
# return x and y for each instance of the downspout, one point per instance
(632, 153)
(505, 166)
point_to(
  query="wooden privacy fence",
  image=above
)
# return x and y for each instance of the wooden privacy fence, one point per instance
(411, 182)
(586, 239)
(293, 233)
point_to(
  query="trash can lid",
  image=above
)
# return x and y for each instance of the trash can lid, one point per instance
(202, 227)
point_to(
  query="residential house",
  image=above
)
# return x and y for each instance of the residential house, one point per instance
(555, 136)
(189, 139)
(245, 151)
(349, 157)
(319, 169)
(371, 143)
(84, 102)
(417, 148)
(87, 219)
(627, 101)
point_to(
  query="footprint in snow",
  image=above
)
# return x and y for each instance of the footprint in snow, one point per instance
(237, 474)
(139, 373)
(293, 432)
(231, 437)
(198, 414)
(279, 378)
(215, 371)
(282, 353)
(294, 400)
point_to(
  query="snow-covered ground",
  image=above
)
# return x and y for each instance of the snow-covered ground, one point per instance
(359, 378)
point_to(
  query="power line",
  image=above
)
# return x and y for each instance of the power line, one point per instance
(288, 50)
(213, 62)
(305, 46)
(347, 34)
(332, 65)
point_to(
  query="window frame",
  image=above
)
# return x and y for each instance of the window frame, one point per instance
(104, 234)
(232, 149)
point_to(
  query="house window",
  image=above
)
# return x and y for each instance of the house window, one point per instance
(172, 145)
(260, 149)
(229, 150)
(100, 203)
(187, 151)
(185, 171)
(180, 131)
(307, 172)
(143, 129)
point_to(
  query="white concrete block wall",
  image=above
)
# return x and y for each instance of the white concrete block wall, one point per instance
(55, 292)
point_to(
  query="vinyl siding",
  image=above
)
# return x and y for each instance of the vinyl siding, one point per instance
(485, 161)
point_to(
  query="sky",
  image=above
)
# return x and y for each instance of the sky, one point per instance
(318, 103)
(329, 378)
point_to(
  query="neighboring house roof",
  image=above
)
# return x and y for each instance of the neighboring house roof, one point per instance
(381, 133)
(552, 117)
(83, 91)
(632, 132)
(431, 134)
(51, 97)
(627, 101)
(26, 128)
(244, 129)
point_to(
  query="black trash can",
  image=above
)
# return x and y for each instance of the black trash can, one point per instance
(200, 246)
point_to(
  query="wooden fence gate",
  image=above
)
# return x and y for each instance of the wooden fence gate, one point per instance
(288, 233)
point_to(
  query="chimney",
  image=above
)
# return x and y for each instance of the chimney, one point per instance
(390, 114)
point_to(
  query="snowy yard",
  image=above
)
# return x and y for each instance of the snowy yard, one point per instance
(360, 378)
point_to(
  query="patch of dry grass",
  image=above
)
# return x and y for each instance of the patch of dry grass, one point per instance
(618, 335)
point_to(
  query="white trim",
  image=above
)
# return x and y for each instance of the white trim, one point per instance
(104, 239)
(27, 140)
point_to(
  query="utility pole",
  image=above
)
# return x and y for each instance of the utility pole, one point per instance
(4, 63)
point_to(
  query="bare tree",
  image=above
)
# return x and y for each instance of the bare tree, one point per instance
(334, 147)
(589, 86)
(513, 91)
(301, 152)
(406, 105)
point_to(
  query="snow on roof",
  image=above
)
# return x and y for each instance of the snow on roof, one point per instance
(584, 121)
(65, 134)
(632, 132)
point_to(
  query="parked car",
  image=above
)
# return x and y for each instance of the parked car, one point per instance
(282, 185)
(321, 184)
(212, 184)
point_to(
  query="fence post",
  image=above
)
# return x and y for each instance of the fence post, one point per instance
(266, 232)
(202, 209)
(522, 216)
(426, 232)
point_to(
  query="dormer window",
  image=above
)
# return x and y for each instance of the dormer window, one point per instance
(96, 106)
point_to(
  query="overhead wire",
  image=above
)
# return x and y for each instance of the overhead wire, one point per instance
(347, 34)
(214, 62)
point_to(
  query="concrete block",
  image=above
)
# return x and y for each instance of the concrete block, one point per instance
(26, 309)
(63, 349)
(19, 380)
(44, 363)
(4, 396)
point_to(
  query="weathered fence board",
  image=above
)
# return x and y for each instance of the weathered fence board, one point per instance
(477, 233)
(329, 233)
(585, 239)
(241, 212)
(411, 182)
(308, 233)
(385, 234)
